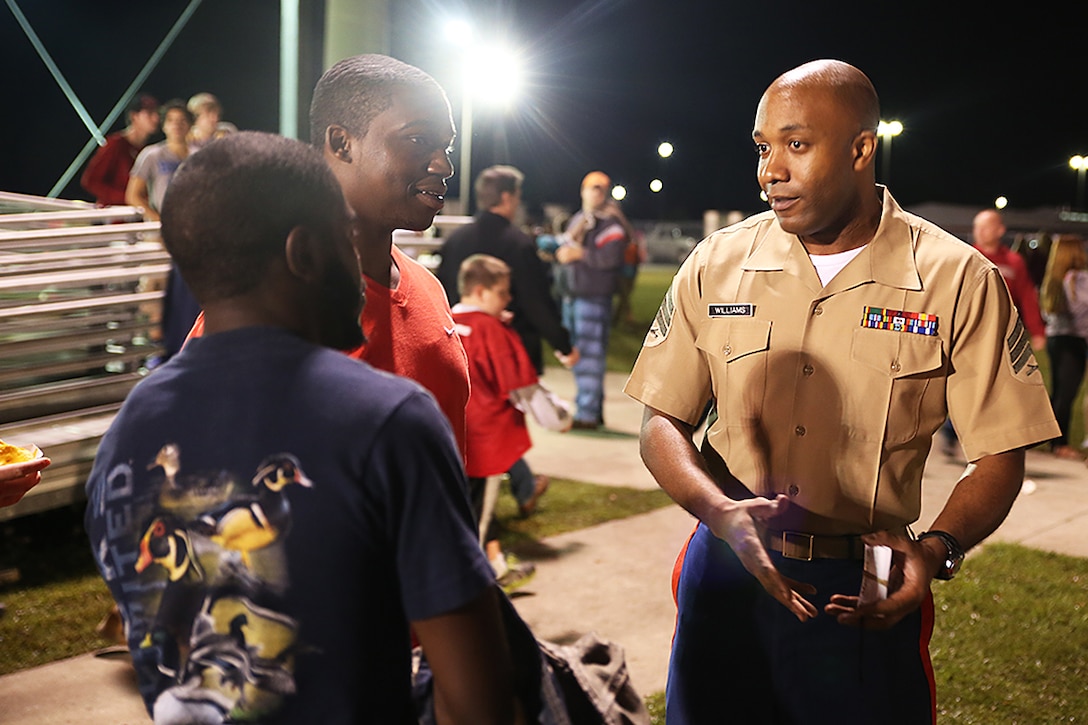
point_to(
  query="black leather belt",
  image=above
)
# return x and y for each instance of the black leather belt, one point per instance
(798, 545)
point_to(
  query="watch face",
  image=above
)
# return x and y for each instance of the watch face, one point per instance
(954, 563)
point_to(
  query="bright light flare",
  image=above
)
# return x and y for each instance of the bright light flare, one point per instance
(887, 129)
(664, 149)
(619, 193)
(458, 32)
(493, 74)
(656, 185)
(1078, 163)
(1001, 202)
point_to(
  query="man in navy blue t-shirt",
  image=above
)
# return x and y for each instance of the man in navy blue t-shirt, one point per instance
(273, 517)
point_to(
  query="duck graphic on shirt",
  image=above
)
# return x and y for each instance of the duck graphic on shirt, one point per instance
(210, 560)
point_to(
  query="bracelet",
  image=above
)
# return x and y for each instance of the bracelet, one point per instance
(953, 559)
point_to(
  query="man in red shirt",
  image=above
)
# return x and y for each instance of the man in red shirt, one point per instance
(987, 231)
(106, 175)
(385, 130)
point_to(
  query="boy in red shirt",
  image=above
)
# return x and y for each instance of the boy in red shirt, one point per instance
(496, 434)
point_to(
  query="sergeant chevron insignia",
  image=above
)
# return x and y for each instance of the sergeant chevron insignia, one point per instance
(1021, 356)
(659, 328)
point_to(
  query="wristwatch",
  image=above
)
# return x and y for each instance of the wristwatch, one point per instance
(954, 559)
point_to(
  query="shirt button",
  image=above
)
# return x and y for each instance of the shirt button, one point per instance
(799, 430)
(727, 349)
(793, 490)
(818, 311)
(808, 370)
(896, 366)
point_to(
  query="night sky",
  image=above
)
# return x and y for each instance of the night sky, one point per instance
(993, 102)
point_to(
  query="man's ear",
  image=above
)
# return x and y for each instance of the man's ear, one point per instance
(864, 149)
(338, 143)
(504, 200)
(304, 259)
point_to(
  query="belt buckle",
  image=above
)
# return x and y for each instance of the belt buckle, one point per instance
(794, 543)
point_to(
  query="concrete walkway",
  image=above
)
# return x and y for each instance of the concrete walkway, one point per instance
(613, 579)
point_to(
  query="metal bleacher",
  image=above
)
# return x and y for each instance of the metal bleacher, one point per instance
(80, 299)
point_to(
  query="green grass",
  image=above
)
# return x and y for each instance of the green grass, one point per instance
(655, 703)
(626, 339)
(1011, 638)
(51, 622)
(51, 612)
(569, 506)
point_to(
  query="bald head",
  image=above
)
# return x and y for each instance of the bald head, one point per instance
(847, 86)
(988, 229)
(815, 133)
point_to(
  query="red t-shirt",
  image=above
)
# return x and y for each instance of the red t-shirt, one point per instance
(410, 332)
(106, 175)
(1021, 288)
(416, 341)
(498, 364)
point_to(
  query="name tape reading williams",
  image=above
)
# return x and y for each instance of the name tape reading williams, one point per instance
(736, 309)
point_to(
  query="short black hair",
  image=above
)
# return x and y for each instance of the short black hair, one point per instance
(493, 182)
(176, 104)
(141, 102)
(230, 206)
(355, 90)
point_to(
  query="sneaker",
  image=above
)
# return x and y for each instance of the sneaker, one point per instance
(518, 574)
(526, 509)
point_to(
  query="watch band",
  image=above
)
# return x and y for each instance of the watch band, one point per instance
(954, 558)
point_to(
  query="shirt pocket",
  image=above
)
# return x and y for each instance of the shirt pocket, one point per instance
(736, 352)
(899, 388)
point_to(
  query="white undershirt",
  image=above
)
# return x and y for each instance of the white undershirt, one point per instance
(828, 265)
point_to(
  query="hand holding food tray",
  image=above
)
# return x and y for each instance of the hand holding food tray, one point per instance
(20, 471)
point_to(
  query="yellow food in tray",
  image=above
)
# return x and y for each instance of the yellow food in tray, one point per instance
(15, 454)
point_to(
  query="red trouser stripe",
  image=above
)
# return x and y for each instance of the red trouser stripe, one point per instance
(678, 567)
(924, 637)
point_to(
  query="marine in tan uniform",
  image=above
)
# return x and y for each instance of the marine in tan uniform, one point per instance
(826, 393)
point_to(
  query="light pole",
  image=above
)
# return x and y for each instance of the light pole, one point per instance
(490, 73)
(887, 130)
(464, 135)
(1079, 164)
(459, 34)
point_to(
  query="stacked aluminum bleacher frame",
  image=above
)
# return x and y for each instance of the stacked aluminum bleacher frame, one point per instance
(80, 298)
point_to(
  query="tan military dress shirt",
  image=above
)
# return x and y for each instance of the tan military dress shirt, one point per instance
(832, 394)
